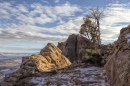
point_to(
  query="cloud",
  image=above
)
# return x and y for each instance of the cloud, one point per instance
(28, 36)
(22, 8)
(57, 1)
(22, 21)
(117, 17)
(34, 33)
(44, 1)
(36, 12)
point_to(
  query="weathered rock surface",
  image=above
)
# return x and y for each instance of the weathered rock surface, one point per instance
(80, 76)
(74, 47)
(50, 58)
(118, 64)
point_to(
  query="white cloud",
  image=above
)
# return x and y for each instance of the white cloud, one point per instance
(34, 33)
(38, 14)
(117, 17)
(22, 8)
(57, 1)
(72, 26)
(21, 21)
(44, 1)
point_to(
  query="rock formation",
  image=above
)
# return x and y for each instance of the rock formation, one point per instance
(118, 63)
(49, 59)
(74, 47)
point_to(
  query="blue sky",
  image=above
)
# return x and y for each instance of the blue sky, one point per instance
(28, 25)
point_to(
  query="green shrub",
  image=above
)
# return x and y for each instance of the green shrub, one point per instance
(92, 57)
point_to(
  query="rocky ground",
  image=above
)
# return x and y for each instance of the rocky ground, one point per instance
(80, 76)
(51, 68)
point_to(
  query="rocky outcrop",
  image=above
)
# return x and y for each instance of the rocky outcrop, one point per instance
(74, 47)
(49, 59)
(118, 63)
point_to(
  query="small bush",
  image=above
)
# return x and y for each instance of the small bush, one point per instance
(92, 57)
(93, 60)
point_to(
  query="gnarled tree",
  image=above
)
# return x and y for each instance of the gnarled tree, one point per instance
(91, 26)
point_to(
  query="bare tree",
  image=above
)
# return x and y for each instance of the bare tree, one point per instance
(91, 26)
(97, 14)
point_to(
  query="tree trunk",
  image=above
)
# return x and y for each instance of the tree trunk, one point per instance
(98, 37)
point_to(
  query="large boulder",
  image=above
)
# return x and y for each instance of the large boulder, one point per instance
(118, 63)
(49, 59)
(74, 47)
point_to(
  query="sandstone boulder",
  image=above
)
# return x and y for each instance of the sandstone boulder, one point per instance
(118, 63)
(73, 48)
(49, 59)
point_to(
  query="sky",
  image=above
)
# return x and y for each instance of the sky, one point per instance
(26, 26)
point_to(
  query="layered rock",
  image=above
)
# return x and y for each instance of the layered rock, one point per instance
(74, 47)
(118, 63)
(50, 58)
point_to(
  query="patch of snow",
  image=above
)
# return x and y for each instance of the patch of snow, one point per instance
(128, 37)
(90, 74)
(64, 76)
(88, 69)
(86, 79)
(40, 81)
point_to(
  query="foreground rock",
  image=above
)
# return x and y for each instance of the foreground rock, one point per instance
(74, 47)
(49, 59)
(118, 64)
